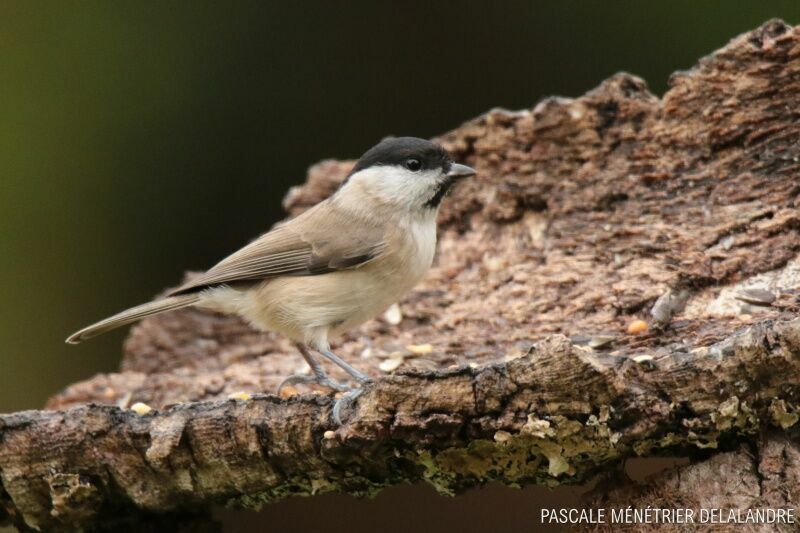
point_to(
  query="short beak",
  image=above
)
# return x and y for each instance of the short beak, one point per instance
(460, 171)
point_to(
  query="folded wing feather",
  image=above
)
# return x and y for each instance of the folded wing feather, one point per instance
(303, 246)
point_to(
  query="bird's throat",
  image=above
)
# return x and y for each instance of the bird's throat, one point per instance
(441, 191)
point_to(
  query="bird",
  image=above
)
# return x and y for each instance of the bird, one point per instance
(336, 265)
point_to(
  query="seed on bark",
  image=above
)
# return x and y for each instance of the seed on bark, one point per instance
(393, 315)
(288, 392)
(637, 326)
(420, 349)
(240, 396)
(141, 408)
(388, 365)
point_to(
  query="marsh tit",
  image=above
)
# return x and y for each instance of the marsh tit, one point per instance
(333, 267)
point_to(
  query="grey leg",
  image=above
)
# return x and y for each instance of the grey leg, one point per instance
(319, 376)
(338, 361)
(350, 396)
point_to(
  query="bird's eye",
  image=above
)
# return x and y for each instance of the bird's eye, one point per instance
(413, 165)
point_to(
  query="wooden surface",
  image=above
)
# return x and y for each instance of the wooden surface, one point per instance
(587, 214)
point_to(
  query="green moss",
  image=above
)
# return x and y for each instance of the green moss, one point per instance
(733, 414)
(543, 451)
(783, 414)
(295, 487)
(301, 486)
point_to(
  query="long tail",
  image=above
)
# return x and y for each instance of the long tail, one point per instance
(132, 315)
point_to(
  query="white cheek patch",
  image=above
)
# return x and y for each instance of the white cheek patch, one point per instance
(396, 185)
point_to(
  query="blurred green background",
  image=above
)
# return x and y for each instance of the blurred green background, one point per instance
(140, 139)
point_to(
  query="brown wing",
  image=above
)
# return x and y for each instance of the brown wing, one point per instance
(305, 246)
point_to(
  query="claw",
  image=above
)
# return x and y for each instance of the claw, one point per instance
(323, 380)
(345, 402)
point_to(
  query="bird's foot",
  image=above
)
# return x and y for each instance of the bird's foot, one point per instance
(345, 402)
(317, 379)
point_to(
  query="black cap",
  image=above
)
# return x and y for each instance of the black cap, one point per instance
(399, 150)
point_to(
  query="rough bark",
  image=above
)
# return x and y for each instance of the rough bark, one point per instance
(516, 359)
(763, 475)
